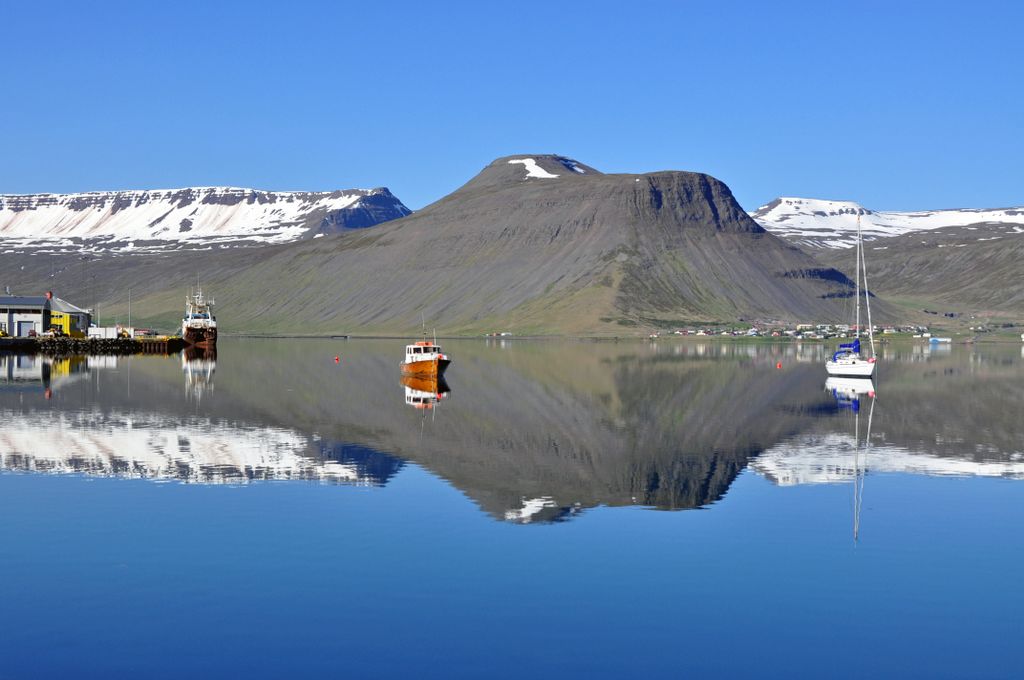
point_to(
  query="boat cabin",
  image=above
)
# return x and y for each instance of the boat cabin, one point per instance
(412, 352)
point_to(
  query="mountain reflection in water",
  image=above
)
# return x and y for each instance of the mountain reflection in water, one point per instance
(540, 431)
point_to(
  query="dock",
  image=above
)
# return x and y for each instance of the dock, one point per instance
(65, 346)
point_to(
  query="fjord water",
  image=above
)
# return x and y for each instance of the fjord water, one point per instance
(585, 509)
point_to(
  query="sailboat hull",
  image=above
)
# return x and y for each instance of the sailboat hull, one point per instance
(851, 369)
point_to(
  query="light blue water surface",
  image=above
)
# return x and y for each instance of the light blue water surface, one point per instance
(106, 575)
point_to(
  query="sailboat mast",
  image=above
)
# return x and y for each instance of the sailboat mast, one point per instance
(856, 276)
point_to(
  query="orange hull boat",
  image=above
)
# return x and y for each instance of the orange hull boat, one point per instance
(428, 368)
(425, 360)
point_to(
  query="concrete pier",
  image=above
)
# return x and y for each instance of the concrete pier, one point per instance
(67, 346)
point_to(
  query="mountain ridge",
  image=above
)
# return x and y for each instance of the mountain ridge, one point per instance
(160, 219)
(820, 223)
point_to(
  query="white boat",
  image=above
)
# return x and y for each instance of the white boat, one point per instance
(199, 325)
(847, 360)
(424, 359)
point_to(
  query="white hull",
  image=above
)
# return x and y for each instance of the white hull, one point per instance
(854, 369)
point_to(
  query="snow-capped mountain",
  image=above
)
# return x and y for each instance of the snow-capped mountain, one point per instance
(833, 224)
(184, 218)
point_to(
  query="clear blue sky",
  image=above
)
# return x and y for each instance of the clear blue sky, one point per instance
(896, 105)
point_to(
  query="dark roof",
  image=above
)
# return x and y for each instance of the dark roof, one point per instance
(39, 302)
(23, 300)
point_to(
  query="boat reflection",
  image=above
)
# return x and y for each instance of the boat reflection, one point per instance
(198, 364)
(848, 392)
(423, 393)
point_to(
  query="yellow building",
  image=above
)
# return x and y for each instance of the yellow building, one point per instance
(21, 316)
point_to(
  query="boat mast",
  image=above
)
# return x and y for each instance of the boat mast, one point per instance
(867, 302)
(856, 276)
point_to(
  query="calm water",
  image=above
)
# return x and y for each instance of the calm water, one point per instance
(570, 509)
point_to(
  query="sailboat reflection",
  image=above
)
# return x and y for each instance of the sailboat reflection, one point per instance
(859, 466)
(849, 391)
(198, 364)
(424, 392)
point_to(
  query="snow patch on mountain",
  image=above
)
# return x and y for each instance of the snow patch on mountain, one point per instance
(532, 169)
(833, 224)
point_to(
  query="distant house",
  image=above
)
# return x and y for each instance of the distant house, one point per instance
(22, 316)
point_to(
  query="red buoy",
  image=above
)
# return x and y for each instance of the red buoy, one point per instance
(337, 360)
(778, 365)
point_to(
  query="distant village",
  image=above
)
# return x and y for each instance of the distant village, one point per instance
(806, 331)
(821, 331)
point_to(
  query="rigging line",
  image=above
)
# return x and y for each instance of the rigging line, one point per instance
(867, 304)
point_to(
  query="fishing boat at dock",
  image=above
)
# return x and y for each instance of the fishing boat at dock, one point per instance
(199, 326)
(424, 359)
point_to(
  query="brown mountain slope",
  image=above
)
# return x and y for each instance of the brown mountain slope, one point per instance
(956, 269)
(533, 244)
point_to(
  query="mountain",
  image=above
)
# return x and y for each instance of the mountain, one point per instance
(532, 244)
(816, 223)
(951, 270)
(118, 221)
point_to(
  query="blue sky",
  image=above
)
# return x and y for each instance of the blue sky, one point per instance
(896, 105)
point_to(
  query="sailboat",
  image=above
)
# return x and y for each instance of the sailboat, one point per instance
(847, 360)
